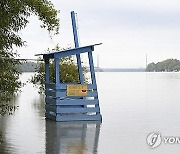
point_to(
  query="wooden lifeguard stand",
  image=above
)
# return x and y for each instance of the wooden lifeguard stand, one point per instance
(71, 102)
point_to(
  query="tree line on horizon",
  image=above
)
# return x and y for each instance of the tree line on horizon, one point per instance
(169, 65)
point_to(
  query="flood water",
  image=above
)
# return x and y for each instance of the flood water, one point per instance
(132, 105)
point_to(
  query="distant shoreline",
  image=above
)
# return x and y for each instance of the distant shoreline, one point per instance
(119, 69)
(100, 70)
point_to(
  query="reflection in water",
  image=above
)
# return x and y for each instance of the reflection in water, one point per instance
(5, 147)
(3, 143)
(39, 105)
(72, 137)
(24, 131)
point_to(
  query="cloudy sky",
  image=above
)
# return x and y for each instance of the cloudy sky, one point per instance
(128, 29)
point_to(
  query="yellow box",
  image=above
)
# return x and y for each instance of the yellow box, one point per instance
(77, 90)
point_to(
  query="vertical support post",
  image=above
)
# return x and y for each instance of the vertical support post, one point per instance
(74, 26)
(57, 78)
(93, 77)
(47, 74)
(76, 42)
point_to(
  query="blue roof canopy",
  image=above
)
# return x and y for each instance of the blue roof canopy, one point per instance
(68, 52)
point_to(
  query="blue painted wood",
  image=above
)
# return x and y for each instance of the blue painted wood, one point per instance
(76, 42)
(93, 77)
(59, 109)
(78, 118)
(67, 102)
(56, 93)
(62, 118)
(73, 52)
(77, 110)
(51, 93)
(65, 53)
(47, 75)
(52, 108)
(64, 86)
(57, 74)
(50, 116)
(74, 26)
(51, 86)
(71, 109)
(81, 79)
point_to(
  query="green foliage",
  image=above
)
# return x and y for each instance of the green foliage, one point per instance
(168, 65)
(14, 17)
(68, 72)
(9, 75)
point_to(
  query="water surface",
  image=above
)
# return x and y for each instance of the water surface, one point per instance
(132, 106)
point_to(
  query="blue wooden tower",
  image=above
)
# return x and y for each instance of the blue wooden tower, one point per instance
(68, 101)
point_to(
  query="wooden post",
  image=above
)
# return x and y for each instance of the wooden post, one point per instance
(47, 75)
(93, 77)
(76, 42)
(75, 34)
(57, 78)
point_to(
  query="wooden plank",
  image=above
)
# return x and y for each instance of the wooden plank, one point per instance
(51, 93)
(47, 73)
(61, 118)
(63, 86)
(57, 74)
(74, 26)
(92, 94)
(49, 86)
(53, 85)
(79, 118)
(92, 86)
(73, 52)
(60, 94)
(78, 102)
(55, 94)
(51, 108)
(50, 116)
(58, 109)
(84, 47)
(93, 78)
(77, 110)
(50, 100)
(54, 101)
(80, 70)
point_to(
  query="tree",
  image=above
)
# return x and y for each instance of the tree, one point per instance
(68, 72)
(151, 67)
(13, 18)
(168, 65)
(9, 75)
